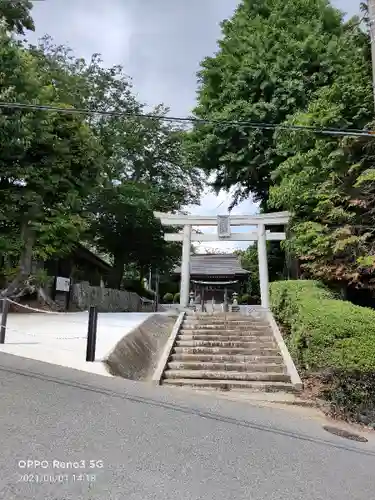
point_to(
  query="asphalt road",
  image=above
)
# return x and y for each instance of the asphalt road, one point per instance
(151, 443)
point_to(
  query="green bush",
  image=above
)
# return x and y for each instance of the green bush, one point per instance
(322, 331)
(168, 298)
(244, 299)
(176, 298)
(333, 341)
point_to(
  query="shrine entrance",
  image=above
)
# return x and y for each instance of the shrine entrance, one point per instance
(224, 224)
(213, 291)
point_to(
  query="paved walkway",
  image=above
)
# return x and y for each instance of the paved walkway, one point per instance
(61, 338)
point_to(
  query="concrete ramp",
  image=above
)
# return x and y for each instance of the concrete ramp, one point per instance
(137, 354)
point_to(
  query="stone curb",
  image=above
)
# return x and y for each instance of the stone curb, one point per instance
(289, 364)
(158, 373)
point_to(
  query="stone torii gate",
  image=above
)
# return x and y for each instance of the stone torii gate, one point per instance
(224, 224)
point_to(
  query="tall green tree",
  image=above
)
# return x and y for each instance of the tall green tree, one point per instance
(296, 63)
(327, 183)
(147, 166)
(273, 57)
(124, 225)
(48, 163)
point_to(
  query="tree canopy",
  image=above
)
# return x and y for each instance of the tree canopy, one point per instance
(295, 62)
(96, 177)
(15, 15)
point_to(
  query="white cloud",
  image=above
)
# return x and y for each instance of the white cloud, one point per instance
(212, 204)
(101, 28)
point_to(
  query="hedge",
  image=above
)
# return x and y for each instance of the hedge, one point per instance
(330, 338)
(168, 298)
(244, 299)
(324, 331)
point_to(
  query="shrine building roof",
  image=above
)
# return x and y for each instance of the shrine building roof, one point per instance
(214, 265)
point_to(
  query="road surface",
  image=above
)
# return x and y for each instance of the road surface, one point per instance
(138, 442)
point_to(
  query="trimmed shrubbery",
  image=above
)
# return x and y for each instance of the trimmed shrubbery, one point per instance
(331, 338)
(168, 298)
(244, 299)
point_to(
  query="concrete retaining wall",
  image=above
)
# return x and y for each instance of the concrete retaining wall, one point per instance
(136, 356)
(107, 300)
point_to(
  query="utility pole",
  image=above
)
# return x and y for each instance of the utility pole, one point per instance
(371, 11)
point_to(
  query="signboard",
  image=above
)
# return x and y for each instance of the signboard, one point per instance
(62, 284)
(223, 226)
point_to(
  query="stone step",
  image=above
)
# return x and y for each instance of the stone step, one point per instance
(227, 358)
(221, 316)
(238, 333)
(244, 351)
(227, 385)
(225, 344)
(226, 366)
(226, 338)
(239, 328)
(227, 375)
(222, 319)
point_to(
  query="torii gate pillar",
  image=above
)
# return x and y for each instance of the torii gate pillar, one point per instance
(263, 267)
(185, 266)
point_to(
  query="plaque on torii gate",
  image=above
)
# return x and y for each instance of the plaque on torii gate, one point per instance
(223, 226)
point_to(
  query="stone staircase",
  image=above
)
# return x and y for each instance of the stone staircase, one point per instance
(226, 352)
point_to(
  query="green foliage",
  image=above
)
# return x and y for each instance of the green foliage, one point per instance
(244, 299)
(328, 184)
(249, 262)
(66, 177)
(332, 342)
(49, 162)
(176, 298)
(168, 298)
(273, 57)
(40, 278)
(146, 167)
(167, 286)
(351, 395)
(123, 224)
(296, 62)
(322, 331)
(15, 14)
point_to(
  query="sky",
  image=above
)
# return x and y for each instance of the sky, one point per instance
(160, 44)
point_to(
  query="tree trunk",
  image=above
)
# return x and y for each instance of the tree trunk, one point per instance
(26, 258)
(19, 285)
(117, 272)
(344, 292)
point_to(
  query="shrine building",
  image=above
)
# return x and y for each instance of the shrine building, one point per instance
(212, 276)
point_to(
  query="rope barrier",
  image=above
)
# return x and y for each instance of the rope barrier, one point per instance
(146, 301)
(31, 308)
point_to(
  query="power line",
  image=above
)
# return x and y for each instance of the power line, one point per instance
(349, 132)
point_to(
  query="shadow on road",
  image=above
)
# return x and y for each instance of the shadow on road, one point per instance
(185, 409)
